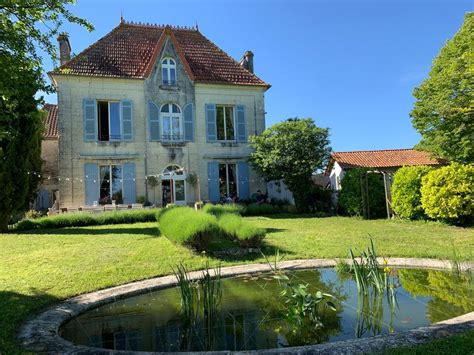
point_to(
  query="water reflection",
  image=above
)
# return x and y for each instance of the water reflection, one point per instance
(251, 316)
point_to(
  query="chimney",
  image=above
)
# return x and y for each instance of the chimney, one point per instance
(247, 61)
(64, 48)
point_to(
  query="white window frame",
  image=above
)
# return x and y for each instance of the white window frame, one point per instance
(168, 68)
(120, 120)
(171, 115)
(227, 177)
(110, 178)
(108, 119)
(225, 124)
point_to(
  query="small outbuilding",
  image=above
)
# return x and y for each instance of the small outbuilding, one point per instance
(385, 162)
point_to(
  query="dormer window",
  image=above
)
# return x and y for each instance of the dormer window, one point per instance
(168, 71)
(171, 118)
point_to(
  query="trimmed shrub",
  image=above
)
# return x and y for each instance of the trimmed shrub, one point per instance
(255, 209)
(447, 194)
(351, 198)
(162, 211)
(186, 226)
(81, 219)
(219, 210)
(406, 194)
(241, 231)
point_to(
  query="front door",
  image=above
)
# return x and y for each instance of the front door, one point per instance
(174, 191)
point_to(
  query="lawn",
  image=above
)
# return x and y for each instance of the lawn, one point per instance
(48, 266)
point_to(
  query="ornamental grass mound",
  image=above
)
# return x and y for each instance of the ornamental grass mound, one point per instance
(219, 210)
(241, 231)
(186, 226)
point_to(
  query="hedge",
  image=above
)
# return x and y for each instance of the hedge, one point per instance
(81, 219)
(406, 194)
(351, 198)
(447, 194)
(240, 230)
(255, 209)
(186, 226)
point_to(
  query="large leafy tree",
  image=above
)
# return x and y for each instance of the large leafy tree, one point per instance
(27, 27)
(291, 150)
(444, 107)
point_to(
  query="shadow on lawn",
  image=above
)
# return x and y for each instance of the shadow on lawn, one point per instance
(235, 253)
(16, 308)
(150, 231)
(291, 216)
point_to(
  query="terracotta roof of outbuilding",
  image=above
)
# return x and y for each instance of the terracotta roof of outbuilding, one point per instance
(130, 51)
(383, 158)
(51, 123)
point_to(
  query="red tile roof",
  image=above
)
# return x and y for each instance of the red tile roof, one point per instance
(51, 124)
(383, 158)
(130, 51)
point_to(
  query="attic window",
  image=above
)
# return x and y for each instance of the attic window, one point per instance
(168, 71)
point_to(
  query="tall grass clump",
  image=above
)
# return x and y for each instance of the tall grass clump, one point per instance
(219, 210)
(186, 226)
(81, 219)
(242, 231)
(201, 302)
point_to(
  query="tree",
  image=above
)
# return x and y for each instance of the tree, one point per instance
(291, 150)
(444, 113)
(25, 28)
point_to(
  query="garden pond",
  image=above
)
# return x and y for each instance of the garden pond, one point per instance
(255, 314)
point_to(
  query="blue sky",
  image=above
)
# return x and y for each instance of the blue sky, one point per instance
(350, 65)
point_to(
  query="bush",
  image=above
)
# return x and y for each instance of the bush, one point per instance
(255, 209)
(33, 214)
(162, 211)
(218, 210)
(241, 231)
(351, 199)
(406, 194)
(186, 226)
(447, 194)
(81, 219)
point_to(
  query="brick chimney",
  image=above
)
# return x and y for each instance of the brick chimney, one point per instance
(64, 48)
(247, 61)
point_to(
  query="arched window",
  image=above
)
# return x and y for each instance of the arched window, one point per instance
(171, 121)
(168, 71)
(173, 169)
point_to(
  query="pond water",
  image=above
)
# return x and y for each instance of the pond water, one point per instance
(253, 314)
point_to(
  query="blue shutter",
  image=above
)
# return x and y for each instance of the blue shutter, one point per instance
(129, 192)
(127, 120)
(241, 124)
(91, 180)
(154, 121)
(213, 181)
(211, 126)
(188, 112)
(243, 180)
(90, 120)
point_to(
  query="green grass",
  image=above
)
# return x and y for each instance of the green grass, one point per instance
(41, 267)
(462, 344)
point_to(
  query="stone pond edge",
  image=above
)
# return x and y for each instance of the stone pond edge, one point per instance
(41, 334)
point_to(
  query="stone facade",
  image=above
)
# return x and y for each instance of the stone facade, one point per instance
(150, 157)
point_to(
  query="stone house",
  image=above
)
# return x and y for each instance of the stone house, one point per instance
(150, 103)
(48, 189)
